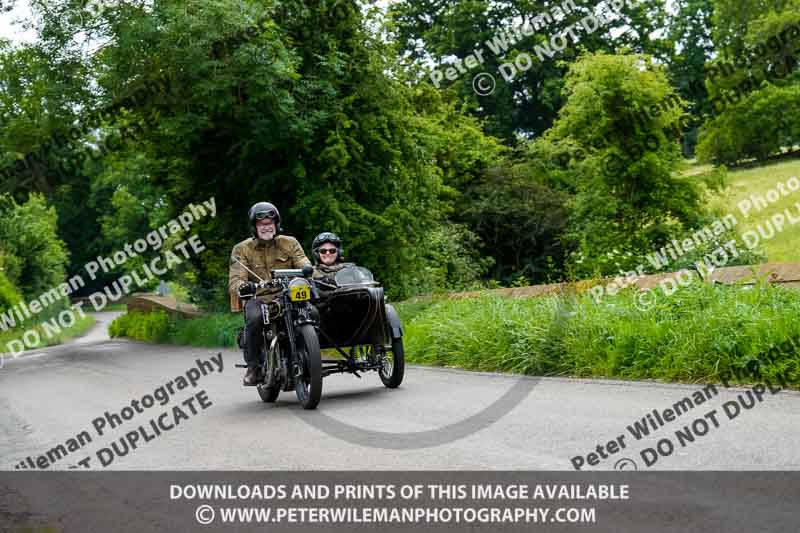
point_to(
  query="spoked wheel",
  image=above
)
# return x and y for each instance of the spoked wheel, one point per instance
(270, 394)
(308, 385)
(394, 365)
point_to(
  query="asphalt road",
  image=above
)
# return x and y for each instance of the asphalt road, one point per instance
(439, 419)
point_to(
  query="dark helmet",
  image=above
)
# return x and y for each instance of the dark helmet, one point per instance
(328, 237)
(263, 210)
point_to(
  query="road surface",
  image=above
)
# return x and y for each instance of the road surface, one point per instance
(439, 419)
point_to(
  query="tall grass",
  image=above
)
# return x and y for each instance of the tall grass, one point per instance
(700, 333)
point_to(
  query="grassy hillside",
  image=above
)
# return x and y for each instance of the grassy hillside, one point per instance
(757, 181)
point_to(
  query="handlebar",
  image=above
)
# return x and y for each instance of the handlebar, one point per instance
(279, 283)
(266, 284)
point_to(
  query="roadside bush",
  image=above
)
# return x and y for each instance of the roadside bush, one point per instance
(148, 327)
(9, 296)
(519, 218)
(159, 327)
(37, 257)
(452, 260)
(48, 336)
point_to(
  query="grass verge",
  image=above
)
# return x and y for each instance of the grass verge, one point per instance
(48, 336)
(702, 333)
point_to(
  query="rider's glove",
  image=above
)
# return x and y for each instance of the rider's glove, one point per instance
(248, 288)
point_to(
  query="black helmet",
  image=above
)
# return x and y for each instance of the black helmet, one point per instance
(263, 210)
(328, 237)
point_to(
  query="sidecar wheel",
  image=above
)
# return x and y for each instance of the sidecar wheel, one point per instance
(395, 365)
(309, 385)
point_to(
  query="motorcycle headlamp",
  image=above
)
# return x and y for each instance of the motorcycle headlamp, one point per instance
(299, 290)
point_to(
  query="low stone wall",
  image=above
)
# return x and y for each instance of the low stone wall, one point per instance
(786, 274)
(152, 302)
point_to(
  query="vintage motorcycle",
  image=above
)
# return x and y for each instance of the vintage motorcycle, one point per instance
(307, 315)
(293, 359)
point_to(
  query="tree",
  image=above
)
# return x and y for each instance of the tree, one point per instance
(691, 32)
(35, 258)
(755, 85)
(298, 102)
(627, 199)
(439, 31)
(519, 219)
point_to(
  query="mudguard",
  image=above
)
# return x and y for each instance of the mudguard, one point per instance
(394, 322)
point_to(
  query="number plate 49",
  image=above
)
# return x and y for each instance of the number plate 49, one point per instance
(299, 294)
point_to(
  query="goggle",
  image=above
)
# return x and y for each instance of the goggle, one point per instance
(327, 251)
(270, 213)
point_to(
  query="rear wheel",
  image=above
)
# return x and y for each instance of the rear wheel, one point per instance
(309, 383)
(394, 365)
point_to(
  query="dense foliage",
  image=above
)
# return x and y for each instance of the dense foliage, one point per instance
(628, 199)
(32, 256)
(9, 296)
(755, 91)
(444, 30)
(118, 118)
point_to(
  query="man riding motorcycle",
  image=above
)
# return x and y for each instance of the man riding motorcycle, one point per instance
(268, 249)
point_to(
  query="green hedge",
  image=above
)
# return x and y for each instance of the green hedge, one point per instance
(208, 331)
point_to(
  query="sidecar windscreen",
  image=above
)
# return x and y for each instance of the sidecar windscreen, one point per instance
(354, 276)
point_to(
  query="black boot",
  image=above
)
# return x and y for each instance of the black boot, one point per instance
(253, 376)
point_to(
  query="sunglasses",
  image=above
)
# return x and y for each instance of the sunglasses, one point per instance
(327, 251)
(261, 215)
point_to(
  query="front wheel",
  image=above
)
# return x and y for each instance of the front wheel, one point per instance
(309, 381)
(394, 365)
(269, 394)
